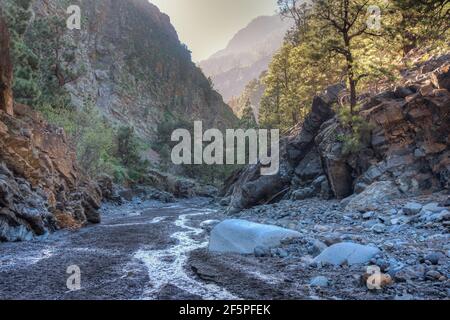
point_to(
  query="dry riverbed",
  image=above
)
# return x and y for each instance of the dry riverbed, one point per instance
(150, 250)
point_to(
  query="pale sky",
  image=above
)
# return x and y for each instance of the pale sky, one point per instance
(206, 26)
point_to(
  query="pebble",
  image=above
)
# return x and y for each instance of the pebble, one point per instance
(281, 253)
(316, 248)
(392, 212)
(400, 220)
(412, 208)
(378, 228)
(319, 281)
(404, 297)
(368, 215)
(432, 207)
(369, 224)
(434, 257)
(262, 252)
(433, 275)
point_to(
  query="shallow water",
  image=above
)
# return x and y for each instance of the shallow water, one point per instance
(168, 266)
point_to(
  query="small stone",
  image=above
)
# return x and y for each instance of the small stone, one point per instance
(433, 207)
(316, 248)
(426, 90)
(368, 215)
(360, 187)
(434, 257)
(281, 253)
(419, 153)
(262, 252)
(378, 228)
(392, 212)
(433, 275)
(404, 297)
(319, 281)
(400, 220)
(369, 224)
(333, 239)
(412, 208)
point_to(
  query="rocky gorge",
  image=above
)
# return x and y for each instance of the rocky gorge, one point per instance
(369, 223)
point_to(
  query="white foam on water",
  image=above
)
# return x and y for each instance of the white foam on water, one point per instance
(163, 271)
(132, 224)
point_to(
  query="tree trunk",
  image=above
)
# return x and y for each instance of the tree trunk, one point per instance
(6, 69)
(350, 74)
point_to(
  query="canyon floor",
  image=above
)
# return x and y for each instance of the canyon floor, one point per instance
(149, 250)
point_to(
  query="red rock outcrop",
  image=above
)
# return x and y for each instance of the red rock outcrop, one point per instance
(41, 187)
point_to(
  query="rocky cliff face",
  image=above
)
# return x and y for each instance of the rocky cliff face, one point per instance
(135, 69)
(407, 151)
(41, 187)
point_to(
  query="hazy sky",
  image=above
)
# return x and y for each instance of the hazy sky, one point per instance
(206, 26)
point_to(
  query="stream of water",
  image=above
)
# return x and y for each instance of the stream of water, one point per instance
(167, 266)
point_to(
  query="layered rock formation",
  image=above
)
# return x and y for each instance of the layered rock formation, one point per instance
(135, 69)
(406, 152)
(41, 187)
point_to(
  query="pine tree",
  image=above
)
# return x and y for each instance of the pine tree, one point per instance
(26, 63)
(248, 120)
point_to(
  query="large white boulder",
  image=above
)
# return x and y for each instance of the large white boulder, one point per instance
(241, 236)
(347, 252)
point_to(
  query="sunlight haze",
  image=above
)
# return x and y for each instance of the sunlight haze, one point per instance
(206, 26)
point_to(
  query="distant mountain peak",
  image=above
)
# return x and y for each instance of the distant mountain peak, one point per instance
(247, 55)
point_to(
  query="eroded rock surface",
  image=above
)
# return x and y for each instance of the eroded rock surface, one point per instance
(41, 187)
(406, 150)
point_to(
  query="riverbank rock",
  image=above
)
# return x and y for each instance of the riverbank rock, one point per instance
(405, 150)
(41, 187)
(179, 187)
(319, 281)
(346, 253)
(298, 157)
(243, 237)
(374, 195)
(41, 181)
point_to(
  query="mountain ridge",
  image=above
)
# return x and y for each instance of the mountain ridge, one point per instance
(246, 56)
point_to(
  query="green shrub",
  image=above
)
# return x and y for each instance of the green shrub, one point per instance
(357, 131)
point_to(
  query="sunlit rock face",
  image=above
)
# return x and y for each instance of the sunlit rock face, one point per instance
(406, 150)
(41, 187)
